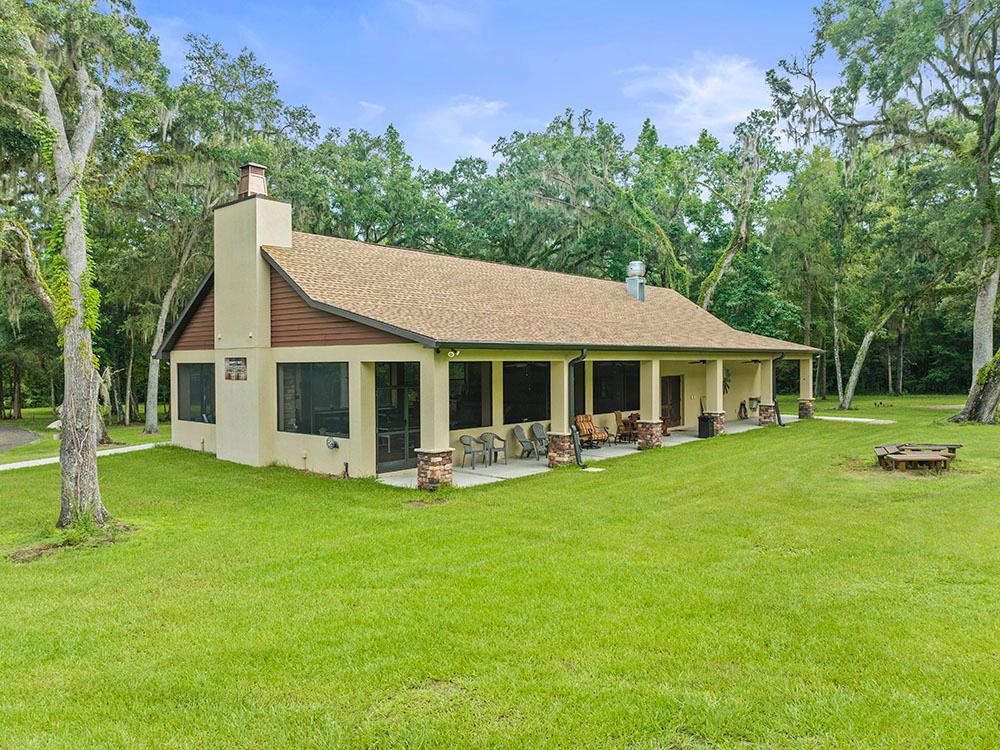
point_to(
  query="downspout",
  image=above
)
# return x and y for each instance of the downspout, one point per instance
(572, 403)
(774, 388)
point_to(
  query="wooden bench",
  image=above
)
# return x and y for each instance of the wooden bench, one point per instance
(882, 452)
(919, 460)
(950, 448)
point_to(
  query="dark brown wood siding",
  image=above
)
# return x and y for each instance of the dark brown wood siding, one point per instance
(199, 333)
(295, 323)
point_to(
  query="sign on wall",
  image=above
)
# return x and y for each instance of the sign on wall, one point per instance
(236, 368)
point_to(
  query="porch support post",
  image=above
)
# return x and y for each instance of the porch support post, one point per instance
(765, 412)
(650, 421)
(497, 380)
(434, 456)
(588, 368)
(806, 399)
(560, 441)
(713, 395)
(559, 395)
(361, 387)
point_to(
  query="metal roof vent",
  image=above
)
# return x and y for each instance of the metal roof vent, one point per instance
(252, 180)
(635, 280)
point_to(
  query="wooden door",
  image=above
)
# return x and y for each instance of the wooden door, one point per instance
(670, 400)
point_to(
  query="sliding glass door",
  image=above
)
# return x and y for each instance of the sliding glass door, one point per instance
(397, 413)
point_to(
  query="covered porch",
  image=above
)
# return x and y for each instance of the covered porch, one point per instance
(464, 394)
(516, 468)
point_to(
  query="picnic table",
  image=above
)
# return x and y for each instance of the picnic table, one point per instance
(936, 456)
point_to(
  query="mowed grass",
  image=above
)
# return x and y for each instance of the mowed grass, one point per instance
(38, 420)
(768, 590)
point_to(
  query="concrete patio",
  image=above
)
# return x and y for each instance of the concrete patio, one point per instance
(524, 467)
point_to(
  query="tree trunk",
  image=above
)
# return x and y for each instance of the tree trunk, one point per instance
(3, 397)
(807, 311)
(984, 397)
(888, 367)
(859, 361)
(15, 398)
(128, 383)
(900, 353)
(986, 300)
(80, 492)
(738, 241)
(838, 366)
(52, 394)
(152, 426)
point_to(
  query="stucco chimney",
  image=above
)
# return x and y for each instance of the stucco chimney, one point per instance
(635, 280)
(252, 180)
(244, 367)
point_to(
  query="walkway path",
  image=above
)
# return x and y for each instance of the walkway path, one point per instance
(12, 437)
(55, 459)
(863, 420)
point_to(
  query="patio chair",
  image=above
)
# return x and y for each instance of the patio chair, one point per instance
(495, 445)
(540, 437)
(469, 449)
(626, 429)
(596, 436)
(585, 430)
(528, 448)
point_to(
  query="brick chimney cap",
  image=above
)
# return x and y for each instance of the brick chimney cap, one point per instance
(252, 164)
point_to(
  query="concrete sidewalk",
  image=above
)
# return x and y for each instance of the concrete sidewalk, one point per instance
(55, 459)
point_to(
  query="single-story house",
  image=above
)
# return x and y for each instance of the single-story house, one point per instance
(342, 357)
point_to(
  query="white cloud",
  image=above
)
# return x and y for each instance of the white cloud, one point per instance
(462, 123)
(370, 111)
(713, 93)
(441, 16)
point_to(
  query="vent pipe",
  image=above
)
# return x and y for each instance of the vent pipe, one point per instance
(252, 180)
(635, 280)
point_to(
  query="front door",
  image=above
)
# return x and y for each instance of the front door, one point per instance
(397, 415)
(670, 400)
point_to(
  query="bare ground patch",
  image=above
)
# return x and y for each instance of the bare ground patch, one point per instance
(111, 533)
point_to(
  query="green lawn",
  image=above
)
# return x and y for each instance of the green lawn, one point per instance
(768, 590)
(37, 420)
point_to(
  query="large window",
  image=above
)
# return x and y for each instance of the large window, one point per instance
(196, 392)
(525, 392)
(313, 398)
(616, 387)
(470, 392)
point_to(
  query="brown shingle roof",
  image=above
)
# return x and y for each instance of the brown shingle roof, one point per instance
(444, 300)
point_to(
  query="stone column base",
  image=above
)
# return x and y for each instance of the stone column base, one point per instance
(766, 414)
(650, 434)
(434, 468)
(560, 449)
(718, 422)
(807, 407)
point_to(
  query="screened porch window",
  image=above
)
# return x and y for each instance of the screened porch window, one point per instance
(616, 387)
(470, 395)
(196, 392)
(526, 392)
(313, 398)
(579, 388)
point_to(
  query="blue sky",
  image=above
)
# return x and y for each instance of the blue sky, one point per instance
(454, 76)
